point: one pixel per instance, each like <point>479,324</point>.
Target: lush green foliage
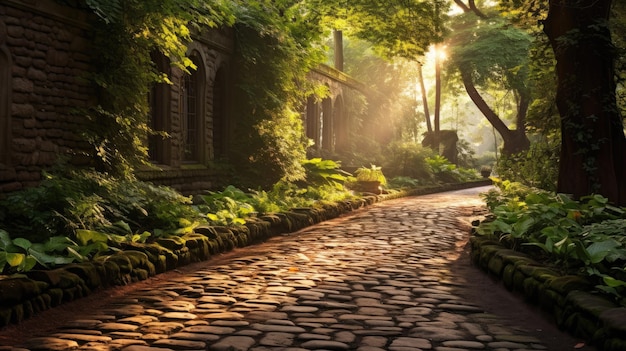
<point>77,216</point>
<point>580,237</point>
<point>80,215</point>
<point>126,35</point>
<point>408,159</point>
<point>65,203</point>
<point>537,167</point>
<point>492,50</point>
<point>447,172</point>
<point>403,183</point>
<point>396,28</point>
<point>228,207</point>
<point>372,173</point>
<point>325,172</point>
<point>277,45</point>
<point>21,255</point>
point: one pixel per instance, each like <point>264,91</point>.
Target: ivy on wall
<point>126,33</point>
<point>276,45</point>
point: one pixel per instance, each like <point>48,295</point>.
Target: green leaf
<point>43,258</point>
<point>599,250</point>
<point>86,236</point>
<point>72,252</point>
<point>239,221</point>
<point>119,227</point>
<point>22,243</point>
<point>5,239</point>
<point>612,282</point>
<point>28,264</point>
<point>521,227</point>
<point>57,243</point>
<point>15,259</point>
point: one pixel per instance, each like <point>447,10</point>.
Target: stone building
<point>44,63</point>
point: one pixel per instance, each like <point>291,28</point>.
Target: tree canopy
<point>489,53</point>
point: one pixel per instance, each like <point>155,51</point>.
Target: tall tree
<point>420,77</point>
<point>593,150</point>
<point>492,53</point>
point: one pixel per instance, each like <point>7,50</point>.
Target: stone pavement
<point>394,276</point>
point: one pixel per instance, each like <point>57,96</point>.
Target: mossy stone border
<point>567,298</point>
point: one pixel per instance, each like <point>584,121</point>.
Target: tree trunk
<point>437,89</point>
<point>429,127</point>
<point>593,144</point>
<point>515,141</point>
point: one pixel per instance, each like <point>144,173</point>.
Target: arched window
<point>220,120</point>
<point>159,98</point>
<point>5,104</point>
<point>192,112</point>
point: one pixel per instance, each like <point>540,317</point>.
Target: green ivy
<point>128,32</point>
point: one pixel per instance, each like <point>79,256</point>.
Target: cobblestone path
<point>394,276</point>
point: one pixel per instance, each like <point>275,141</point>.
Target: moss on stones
<point>17,290</point>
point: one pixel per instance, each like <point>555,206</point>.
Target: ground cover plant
<point>76,216</point>
<point>83,215</point>
<point>583,237</point>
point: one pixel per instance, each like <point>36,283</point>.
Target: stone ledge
<point>23,296</point>
<point>567,298</point>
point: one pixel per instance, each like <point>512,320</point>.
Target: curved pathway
<point>394,276</point>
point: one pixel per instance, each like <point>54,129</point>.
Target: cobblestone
<point>383,278</point>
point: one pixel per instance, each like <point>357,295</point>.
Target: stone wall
<point>328,122</point>
<point>46,51</point>
<point>213,51</point>
<point>45,65</point>
<point>571,301</point>
<point>44,69</point>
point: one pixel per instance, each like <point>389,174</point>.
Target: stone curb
<point>567,298</point>
<point>23,296</point>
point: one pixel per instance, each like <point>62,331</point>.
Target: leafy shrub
<point>403,182</point>
<point>285,196</point>
<point>447,172</point>
<point>228,207</point>
<point>21,255</point>
<point>372,173</point>
<point>64,203</point>
<point>581,237</point>
<point>325,172</point>
<point>408,160</point>
<point>537,167</point>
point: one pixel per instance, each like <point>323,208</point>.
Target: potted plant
<point>370,179</point>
